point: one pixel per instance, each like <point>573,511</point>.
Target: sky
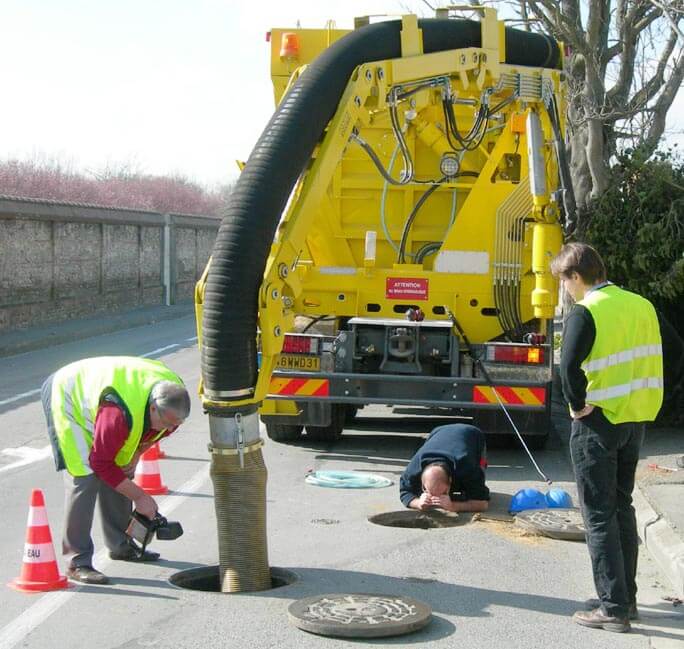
<point>159,86</point>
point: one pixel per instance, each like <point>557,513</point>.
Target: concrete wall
<point>60,261</point>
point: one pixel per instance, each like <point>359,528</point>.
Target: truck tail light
<point>515,354</point>
<point>299,344</point>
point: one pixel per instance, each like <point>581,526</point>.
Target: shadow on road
<point>453,599</point>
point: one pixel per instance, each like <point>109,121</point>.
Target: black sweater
<point>460,447</point>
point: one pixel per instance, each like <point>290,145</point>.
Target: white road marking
<point>17,630</point>
<point>30,393</point>
<point>26,455</point>
<point>191,340</point>
<point>16,397</point>
<point>157,351</point>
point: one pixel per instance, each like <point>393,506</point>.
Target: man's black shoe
<point>87,575</point>
<point>597,619</point>
<point>633,612</point>
<point>131,552</point>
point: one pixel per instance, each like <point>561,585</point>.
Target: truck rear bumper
<point>393,389</point>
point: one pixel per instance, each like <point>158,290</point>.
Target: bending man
<point>102,414</point>
<point>448,471</point>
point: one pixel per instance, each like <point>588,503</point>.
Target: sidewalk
<point>659,502</point>
<point>658,493</point>
<point>25,340</point>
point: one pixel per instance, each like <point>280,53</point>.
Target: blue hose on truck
<point>229,323</point>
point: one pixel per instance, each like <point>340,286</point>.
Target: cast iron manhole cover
<point>564,524</point>
<point>359,615</point>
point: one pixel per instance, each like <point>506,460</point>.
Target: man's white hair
<point>170,396</point>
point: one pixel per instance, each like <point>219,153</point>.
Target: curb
<point>666,548</point>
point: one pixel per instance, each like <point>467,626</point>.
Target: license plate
<point>298,362</point>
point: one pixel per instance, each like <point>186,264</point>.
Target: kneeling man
<point>448,471</point>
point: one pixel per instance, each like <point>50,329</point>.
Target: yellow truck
<point>391,232</point>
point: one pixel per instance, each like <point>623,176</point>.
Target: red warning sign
<point>406,288</point>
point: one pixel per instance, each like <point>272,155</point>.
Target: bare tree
<point>624,65</point>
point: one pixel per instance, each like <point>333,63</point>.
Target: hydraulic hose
<point>229,360</point>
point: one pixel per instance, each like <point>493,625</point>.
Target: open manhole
<point>207,578</point>
<point>426,520</point>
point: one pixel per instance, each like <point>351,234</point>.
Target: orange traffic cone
<point>39,571</point>
<point>147,475</point>
<point>156,452</point>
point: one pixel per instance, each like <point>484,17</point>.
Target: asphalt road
<point>488,586</point>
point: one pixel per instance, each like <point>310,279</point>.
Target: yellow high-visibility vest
<point>624,369</point>
<point>78,390</point>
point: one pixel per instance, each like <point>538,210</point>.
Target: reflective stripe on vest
<point>623,357</point>
<point>77,391</point>
<point>624,369</point>
<point>624,389</point>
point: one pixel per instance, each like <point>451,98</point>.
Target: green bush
<point>637,225</point>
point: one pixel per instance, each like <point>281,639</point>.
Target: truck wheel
<point>536,442</point>
<point>538,423</point>
<point>333,431</point>
<point>284,432</point>
<point>350,413</point>
<point>535,427</point>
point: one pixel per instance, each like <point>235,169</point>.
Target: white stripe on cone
<point>38,553</point>
<point>37,517</point>
<point>147,467</point>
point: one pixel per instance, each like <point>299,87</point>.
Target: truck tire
<point>284,432</point>
<point>350,413</point>
<point>535,427</point>
<point>333,431</point>
<point>540,423</point>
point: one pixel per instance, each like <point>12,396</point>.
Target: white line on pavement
<point>157,351</point>
<point>16,397</point>
<point>26,455</point>
<point>17,630</point>
<point>30,393</point>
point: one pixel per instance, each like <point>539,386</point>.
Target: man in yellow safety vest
<point>612,376</point>
<point>102,414</point>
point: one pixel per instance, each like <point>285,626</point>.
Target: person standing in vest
<point>102,414</point>
<point>612,376</point>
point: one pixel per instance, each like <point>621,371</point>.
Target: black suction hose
<point>229,365</point>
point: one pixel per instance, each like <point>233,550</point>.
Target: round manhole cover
<point>424,520</point>
<point>359,615</point>
<point>564,524</point>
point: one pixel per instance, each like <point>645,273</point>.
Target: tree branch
<point>558,24</point>
<point>597,25</point>
<point>662,105</point>
<point>674,24</point>
<point>653,85</point>
<point>635,23</point>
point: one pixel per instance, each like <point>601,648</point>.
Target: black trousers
<point>604,458</point>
